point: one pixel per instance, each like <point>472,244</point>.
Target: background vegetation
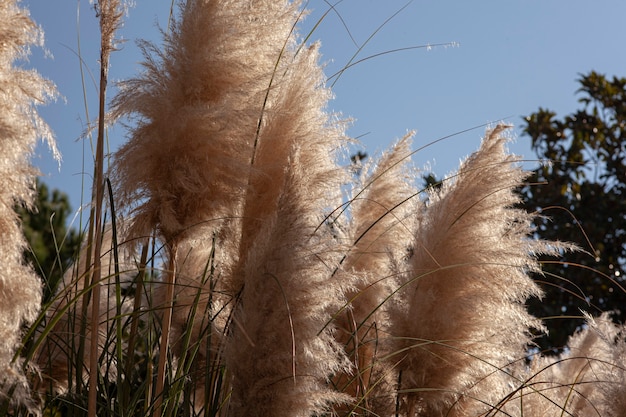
<point>581,199</point>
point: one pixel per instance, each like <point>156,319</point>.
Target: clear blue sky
<point>510,58</point>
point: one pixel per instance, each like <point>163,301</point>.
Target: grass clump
<point>228,275</point>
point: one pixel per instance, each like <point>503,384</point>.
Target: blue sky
<point>505,59</point>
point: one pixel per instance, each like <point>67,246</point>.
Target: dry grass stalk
<point>20,127</point>
<point>110,18</point>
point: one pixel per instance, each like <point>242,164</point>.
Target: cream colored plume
<point>381,228</point>
<point>197,107</point>
<point>281,352</point>
<point>587,380</point>
<point>233,151</point>
<point>20,127</point>
<point>465,321</point>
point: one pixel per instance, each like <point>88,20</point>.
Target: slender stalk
<point>109,18</point>
<point>165,332</point>
<point>99,196</point>
<point>134,322</point>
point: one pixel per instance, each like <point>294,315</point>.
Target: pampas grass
<point>268,291</point>
<point>586,380</point>
<point>20,127</point>
<point>287,297</point>
<point>470,261</point>
<point>381,224</point>
<point>186,163</point>
<point>235,176</point>
<point>287,269</point>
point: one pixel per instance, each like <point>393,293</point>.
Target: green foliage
<point>53,245</point>
<point>431,181</point>
<point>580,193</point>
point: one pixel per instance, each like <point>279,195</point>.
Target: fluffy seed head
<point>20,127</point>
<point>465,321</point>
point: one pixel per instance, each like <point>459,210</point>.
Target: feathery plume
<point>281,351</point>
<point>20,127</point>
<point>219,113</point>
<point>381,225</point>
<point>588,379</point>
<point>197,106</point>
<point>465,321</point>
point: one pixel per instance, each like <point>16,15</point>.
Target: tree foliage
<point>52,244</point>
<point>580,194</point>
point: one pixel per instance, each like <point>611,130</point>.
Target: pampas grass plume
<point>222,122</point>
<point>465,320</point>
<point>197,108</point>
<point>588,379</point>
<point>381,226</point>
<point>281,351</point>
<point>20,127</point>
